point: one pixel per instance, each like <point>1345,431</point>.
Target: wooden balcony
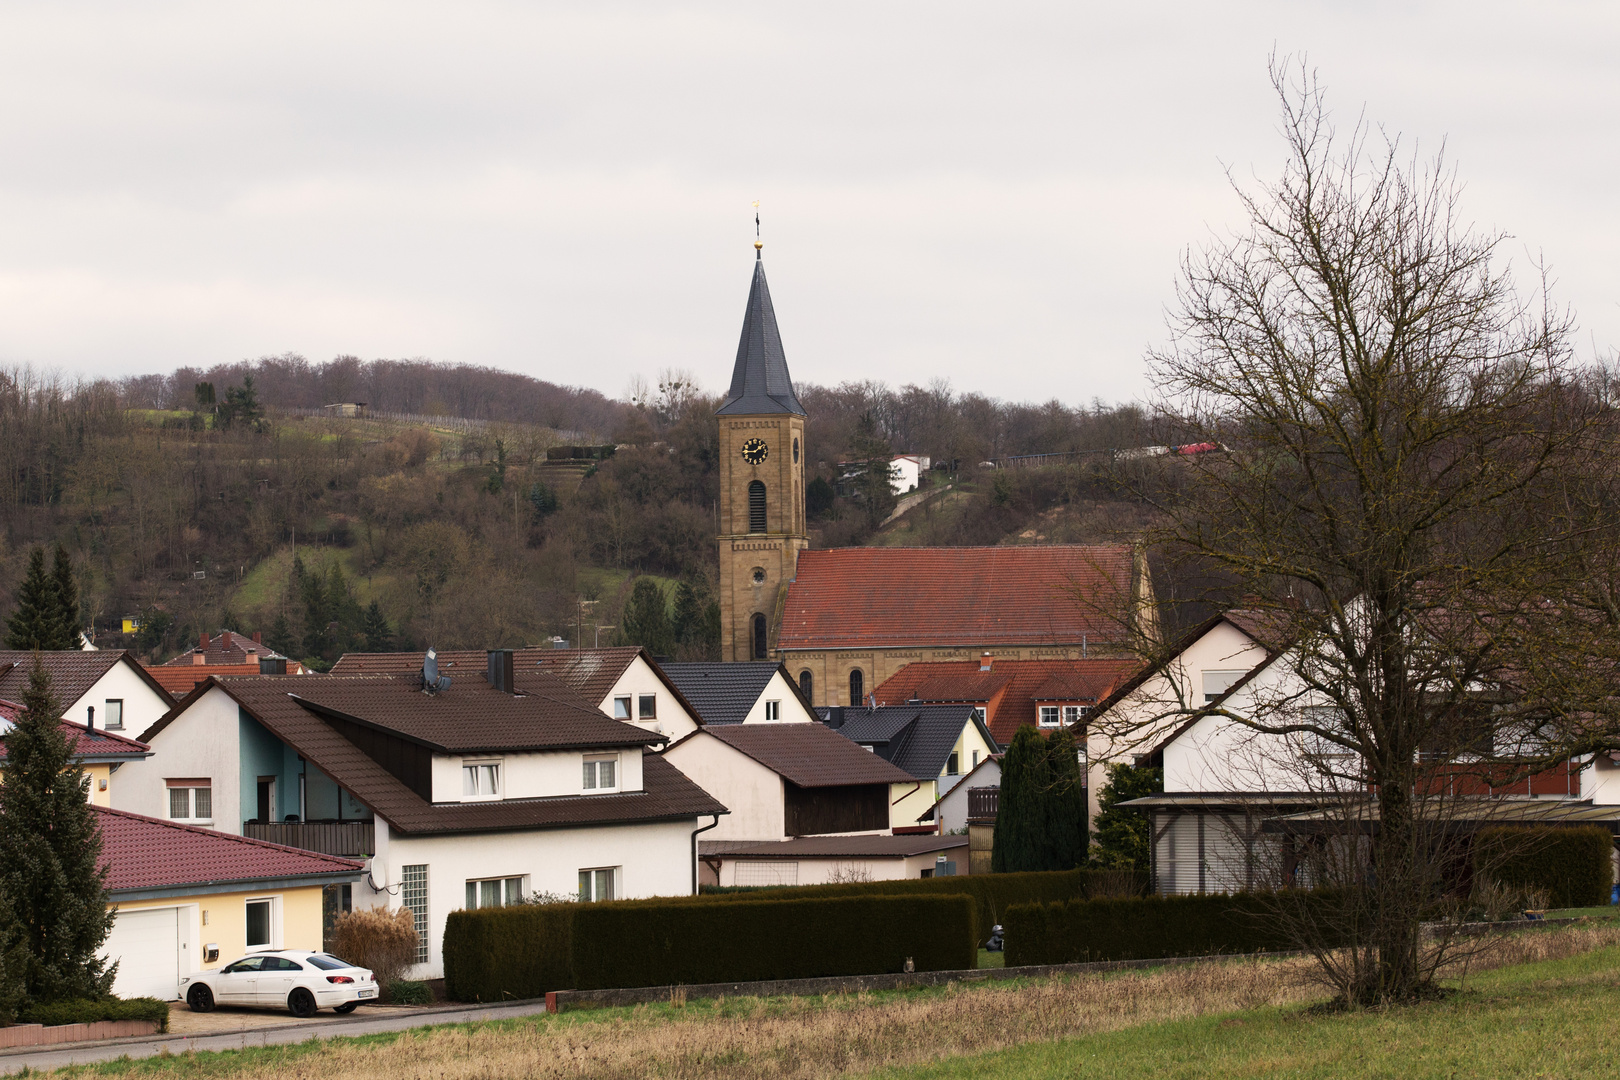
<point>347,838</point>
<point>982,802</point>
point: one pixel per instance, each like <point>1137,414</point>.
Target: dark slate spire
<point>760,382</point>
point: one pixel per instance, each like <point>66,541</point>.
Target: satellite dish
<point>430,669</point>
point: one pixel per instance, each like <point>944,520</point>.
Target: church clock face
<point>754,451</point>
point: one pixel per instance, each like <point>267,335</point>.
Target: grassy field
<point>1542,1010</point>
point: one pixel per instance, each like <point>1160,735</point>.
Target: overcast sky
<point>992,193</point>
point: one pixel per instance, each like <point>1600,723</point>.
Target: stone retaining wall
<point>40,1035</point>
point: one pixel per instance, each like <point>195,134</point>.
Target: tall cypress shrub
<point>67,601</point>
<point>50,843</point>
<point>1063,804</point>
<point>33,625</point>
<point>1020,836</point>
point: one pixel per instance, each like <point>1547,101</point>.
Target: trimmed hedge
<point>639,943</point>
<point>1573,864</point>
<point>1147,928</point>
<point>993,894</point>
<point>506,953</point>
<point>88,1011</point>
<point>497,954</point>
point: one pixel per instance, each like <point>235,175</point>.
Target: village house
<point>751,692</point>
<point>102,688</point>
<point>99,753</point>
<point>502,784</point>
<point>935,745</point>
<point>624,682</point>
<point>956,809</point>
<point>824,860</point>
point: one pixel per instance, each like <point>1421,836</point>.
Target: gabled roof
<point>883,597</point>
<point>592,673</point>
<point>73,672</point>
<point>725,693</point>
<point>1022,684</point>
<point>226,647</point>
<point>181,679</point>
<point>89,745</point>
<point>143,853</point>
<point>808,755</point>
<point>1247,623</point>
<point>666,794</point>
<point>760,383</point>
<point>916,738</point>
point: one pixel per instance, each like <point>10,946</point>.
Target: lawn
<point>1548,1014</point>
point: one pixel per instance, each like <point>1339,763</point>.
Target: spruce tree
<point>13,961</point>
<point>50,844</point>
<point>645,621</point>
<point>379,637</point>
<point>1063,804</point>
<point>1122,835</point>
<point>67,601</point>
<point>34,623</point>
<point>315,616</point>
<point>280,638</point>
<point>1020,836</point>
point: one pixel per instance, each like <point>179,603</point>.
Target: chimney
<point>267,666</point>
<point>500,670</point>
<point>203,643</point>
<point>258,637</point>
<point>986,661</point>
<point>225,639</point>
<point>197,657</point>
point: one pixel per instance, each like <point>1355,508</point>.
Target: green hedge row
<point>1574,865</point>
<point>498,954</point>
<point>1153,927</point>
<point>87,1011</point>
<point>994,894</point>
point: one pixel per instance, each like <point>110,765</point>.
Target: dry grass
<point>787,1039</point>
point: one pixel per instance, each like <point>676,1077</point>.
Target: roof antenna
<point>431,679</point>
<point>758,243</point>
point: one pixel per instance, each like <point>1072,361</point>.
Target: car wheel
<point>301,1003</point>
<point>346,1007</point>
<point>200,998</point>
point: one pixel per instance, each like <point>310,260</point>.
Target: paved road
<point>324,1026</point>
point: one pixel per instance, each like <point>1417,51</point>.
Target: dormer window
<point>1049,716</point>
<point>602,773</point>
<point>481,780</point>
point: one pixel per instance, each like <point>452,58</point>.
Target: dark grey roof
<point>760,382</point>
<point>725,693</point>
<point>916,738</point>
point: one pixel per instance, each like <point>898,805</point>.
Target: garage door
<point>146,944</point>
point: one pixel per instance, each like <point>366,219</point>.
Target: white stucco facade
<point>671,718</point>
<point>952,809</point>
<point>790,710</point>
<point>753,793</point>
<point>742,870</point>
<point>142,706</point>
<point>203,742</point>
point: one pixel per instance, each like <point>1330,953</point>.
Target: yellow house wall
<point>221,918</point>
<point>908,802</point>
<point>100,784</point>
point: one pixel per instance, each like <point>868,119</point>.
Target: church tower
<point>762,527</point>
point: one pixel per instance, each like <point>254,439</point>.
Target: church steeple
<point>760,383</point>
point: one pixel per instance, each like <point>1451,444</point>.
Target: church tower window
<point>807,685</point>
<point>759,638</point>
<point>856,693</point>
<point>756,507</point>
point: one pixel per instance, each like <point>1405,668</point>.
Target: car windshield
<point>328,963</point>
<point>250,963</point>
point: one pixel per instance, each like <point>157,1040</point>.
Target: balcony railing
<point>350,838</point>
<point>982,802</point>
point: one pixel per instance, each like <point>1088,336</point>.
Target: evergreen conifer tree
<point>1020,837</point>
<point>280,638</point>
<point>1122,835</point>
<point>1063,802</point>
<point>67,601</point>
<point>379,637</point>
<point>645,621</point>
<point>50,844</point>
<point>34,623</point>
<point>316,616</point>
<point>13,961</point>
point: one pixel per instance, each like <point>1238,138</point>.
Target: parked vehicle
<point>294,979</point>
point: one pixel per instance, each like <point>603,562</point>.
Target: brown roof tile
<point>179,681</point>
<point>72,671</point>
<point>971,596</point>
<point>150,853</point>
<point>809,755</point>
<point>224,648</point>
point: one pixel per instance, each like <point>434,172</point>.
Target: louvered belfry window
<point>756,507</point>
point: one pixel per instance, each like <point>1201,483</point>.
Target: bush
<point>993,894</point>
<point>1574,865</point>
<point>505,953</point>
<point>524,951</point>
<point>407,992</point>
<point>1148,928</point>
<point>384,941</point>
<point>85,1011</point>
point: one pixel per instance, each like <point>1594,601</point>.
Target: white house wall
<point>533,775</point>
<point>778,690</point>
<point>203,741</point>
<point>752,793</point>
<point>649,859</point>
<point>1600,781</point>
<point>953,808</point>
<point>639,678</point>
<point>1220,755</point>
<point>143,706</point>
<point>742,870</point>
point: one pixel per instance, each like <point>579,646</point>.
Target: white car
<point>294,979</point>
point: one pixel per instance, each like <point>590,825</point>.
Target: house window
<point>191,800</point>
<point>975,759</point>
<point>647,707</point>
<point>1073,714</point>
<point>952,765</point>
<point>481,780</point>
<point>596,885</point>
<point>621,708</point>
<point>258,924</point>
<point>759,637</point>
<point>602,773</point>
<point>756,507</point>
<point>807,683</point>
<point>1049,716</point>
<point>1217,683</point>
<point>773,710</point>
<point>413,894</point>
<point>113,718</point>
<point>494,892</point>
<point>978,714</point>
<point>856,694</point>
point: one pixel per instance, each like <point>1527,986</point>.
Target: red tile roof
<point>180,681</point>
<point>1010,690</point>
<point>150,853</point>
<point>878,597</point>
<point>225,647</point>
<point>92,745</point>
<point>809,755</point>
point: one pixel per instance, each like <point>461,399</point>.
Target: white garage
<point>152,949</point>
